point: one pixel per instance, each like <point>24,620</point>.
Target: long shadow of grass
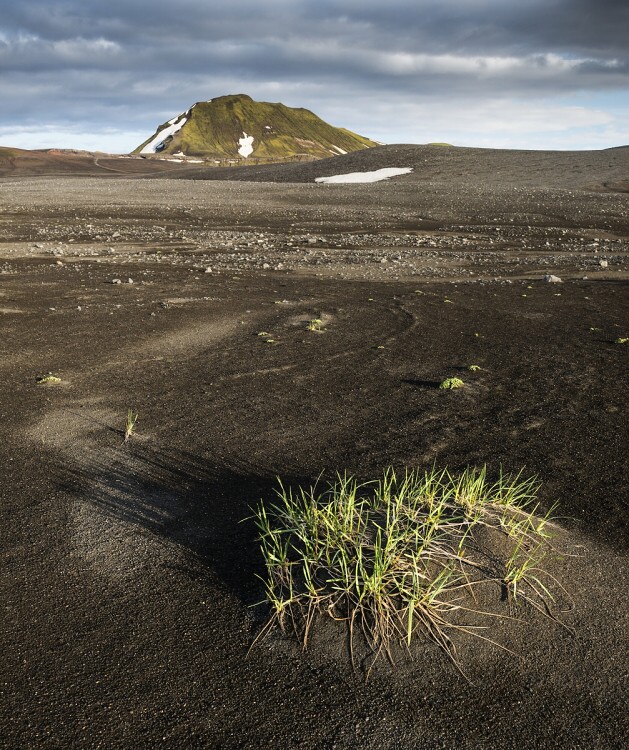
<point>179,497</point>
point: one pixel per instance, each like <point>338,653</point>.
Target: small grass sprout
<point>403,555</point>
<point>622,340</point>
<point>474,368</point>
<point>49,378</point>
<point>450,384</point>
<point>129,428</point>
<point>315,325</point>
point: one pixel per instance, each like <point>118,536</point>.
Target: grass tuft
<point>401,555</point>
<point>129,429</point>
<point>50,378</point>
<point>450,384</point>
<point>314,325</point>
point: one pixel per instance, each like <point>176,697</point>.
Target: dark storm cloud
<point>142,60</point>
<point>584,27</point>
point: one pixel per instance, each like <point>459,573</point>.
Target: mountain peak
<point>235,128</point>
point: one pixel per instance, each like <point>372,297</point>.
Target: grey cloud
<point>136,59</point>
<point>585,27</point>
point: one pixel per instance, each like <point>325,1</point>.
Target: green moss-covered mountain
<point>239,128</point>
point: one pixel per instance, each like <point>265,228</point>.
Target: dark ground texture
<point>128,574</point>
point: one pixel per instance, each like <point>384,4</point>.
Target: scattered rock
<point>552,279</point>
<point>116,281</point>
<point>603,263</point>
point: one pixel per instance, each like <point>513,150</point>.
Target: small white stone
<point>552,279</point>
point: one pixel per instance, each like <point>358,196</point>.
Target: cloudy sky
<point>103,74</point>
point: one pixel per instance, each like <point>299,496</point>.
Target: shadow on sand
<point>202,508</point>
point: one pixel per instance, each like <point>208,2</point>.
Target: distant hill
<point>19,162</point>
<point>238,129</point>
<point>603,170</point>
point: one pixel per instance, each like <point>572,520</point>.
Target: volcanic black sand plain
<point>128,573</point>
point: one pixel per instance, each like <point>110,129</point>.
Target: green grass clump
<point>315,325</point>
<point>402,555</point>
<point>622,340</point>
<point>50,378</point>
<point>450,384</point>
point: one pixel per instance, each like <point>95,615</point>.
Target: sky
<point>531,74</point>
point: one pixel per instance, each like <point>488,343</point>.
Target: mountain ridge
<point>238,129</point>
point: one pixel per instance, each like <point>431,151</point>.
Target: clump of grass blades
<point>316,324</point>
<point>403,554</point>
<point>129,428</point>
<point>450,384</point>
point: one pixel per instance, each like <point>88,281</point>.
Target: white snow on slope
<point>245,145</point>
<point>377,176</point>
<point>339,150</point>
<point>173,127</point>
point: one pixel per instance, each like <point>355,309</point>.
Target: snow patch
<point>339,150</point>
<point>180,156</point>
<point>355,177</point>
<point>173,127</point>
<point>245,145</point>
